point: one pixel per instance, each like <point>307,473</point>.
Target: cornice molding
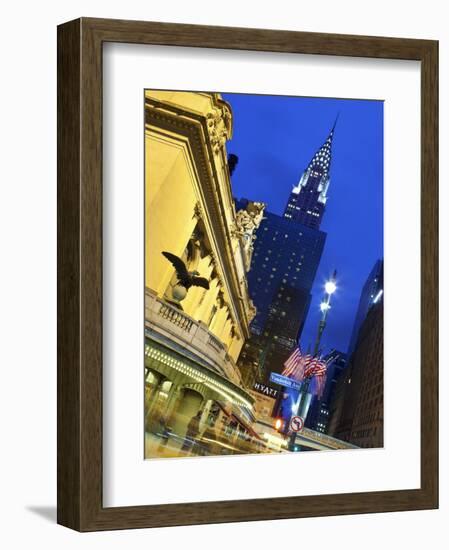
<point>193,126</point>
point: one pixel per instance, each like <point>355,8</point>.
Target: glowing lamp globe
<point>330,287</point>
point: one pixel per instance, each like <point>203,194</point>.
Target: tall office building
<point>284,264</point>
<point>286,256</point>
<point>340,416</point>
<point>307,200</point>
<point>356,410</point>
<point>357,407</point>
<point>371,293</point>
<point>368,371</point>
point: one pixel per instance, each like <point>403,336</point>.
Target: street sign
<point>296,423</point>
<point>284,381</point>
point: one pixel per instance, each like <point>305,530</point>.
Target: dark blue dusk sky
<point>275,138</point>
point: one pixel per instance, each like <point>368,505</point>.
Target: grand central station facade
<point>193,338</point>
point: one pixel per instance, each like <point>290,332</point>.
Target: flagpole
<point>330,287</point>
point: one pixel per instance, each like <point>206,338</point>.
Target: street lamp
<point>330,287</point>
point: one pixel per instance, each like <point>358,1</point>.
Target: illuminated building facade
<point>193,338</point>
<point>285,259</point>
<point>307,200</point>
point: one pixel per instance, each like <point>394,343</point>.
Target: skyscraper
<point>357,407</point>
<point>356,410</point>
<point>371,292</point>
<point>285,259</point>
<point>287,252</point>
<point>307,200</point>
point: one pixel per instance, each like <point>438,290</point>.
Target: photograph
<point>264,274</point>
<point>224,228</point>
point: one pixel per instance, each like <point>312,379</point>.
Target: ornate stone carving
<point>213,260</point>
<point>220,299</point>
<point>252,310</point>
<point>198,211</point>
<point>213,274</point>
<point>219,126</point>
<point>246,223</point>
<point>193,251</point>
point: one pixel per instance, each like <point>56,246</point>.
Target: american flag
<point>292,362</point>
<point>309,361</point>
<point>299,366</point>
<point>319,382</point>
<point>319,376</point>
<point>315,367</point>
<point>295,365</point>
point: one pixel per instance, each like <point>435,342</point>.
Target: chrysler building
<point>307,200</point>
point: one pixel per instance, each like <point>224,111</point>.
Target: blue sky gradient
<point>275,138</point>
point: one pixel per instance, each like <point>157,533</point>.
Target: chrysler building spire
<point>308,198</point>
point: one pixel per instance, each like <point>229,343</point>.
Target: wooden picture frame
<point>80,351</point>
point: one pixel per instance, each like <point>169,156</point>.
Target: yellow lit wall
<point>169,206</point>
<point>172,191</point>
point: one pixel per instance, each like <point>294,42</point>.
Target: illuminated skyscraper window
<point>307,200</point>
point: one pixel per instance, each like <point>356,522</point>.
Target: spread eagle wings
<point>200,281</point>
<point>178,264</point>
<point>185,278</point>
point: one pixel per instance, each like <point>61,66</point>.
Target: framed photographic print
<point>247,274</point>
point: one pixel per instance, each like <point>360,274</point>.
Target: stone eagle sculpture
<point>185,278</point>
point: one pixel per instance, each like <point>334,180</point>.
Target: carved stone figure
<point>219,127</point>
<point>246,223</point>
